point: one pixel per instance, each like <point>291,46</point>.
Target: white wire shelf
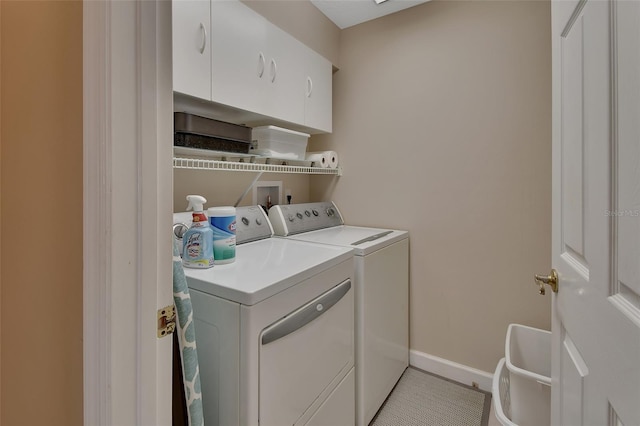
<point>268,166</point>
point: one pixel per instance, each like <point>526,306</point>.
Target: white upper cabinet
<point>239,59</point>
<point>318,91</point>
<point>192,47</point>
<point>227,53</point>
<point>285,63</point>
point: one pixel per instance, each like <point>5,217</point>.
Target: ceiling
<point>346,13</point>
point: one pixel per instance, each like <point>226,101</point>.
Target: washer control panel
<point>292,219</point>
<point>252,224</point>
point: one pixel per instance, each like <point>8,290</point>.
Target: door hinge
<point>166,320</point>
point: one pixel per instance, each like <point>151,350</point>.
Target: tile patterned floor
<point>423,399</point>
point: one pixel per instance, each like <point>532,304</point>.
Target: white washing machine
<point>275,330</point>
<point>381,293</point>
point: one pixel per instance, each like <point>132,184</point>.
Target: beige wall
<point>41,221</point>
<point>442,119</point>
<point>304,21</point>
<point>224,188</point>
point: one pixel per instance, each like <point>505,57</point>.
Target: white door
<point>596,213</point>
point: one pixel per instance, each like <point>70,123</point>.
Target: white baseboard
<point>451,370</point>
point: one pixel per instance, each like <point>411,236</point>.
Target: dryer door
<point>305,355</point>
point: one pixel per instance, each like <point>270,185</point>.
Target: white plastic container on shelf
<point>277,142</point>
<point>522,390</point>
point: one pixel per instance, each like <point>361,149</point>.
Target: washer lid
<point>264,268</point>
<point>362,240</point>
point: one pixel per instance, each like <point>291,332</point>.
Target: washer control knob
<point>307,213</point>
<point>291,218</point>
<point>179,229</point>
<point>258,221</point>
<point>330,212</point>
<point>315,212</point>
<point>245,221</point>
<point>299,215</point>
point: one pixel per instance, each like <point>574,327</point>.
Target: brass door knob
<point>551,280</point>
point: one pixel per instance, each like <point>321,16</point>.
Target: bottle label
<point>197,251</point>
<point>194,246</point>
<point>199,219</point>
<point>224,237</point>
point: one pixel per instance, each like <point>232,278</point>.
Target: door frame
<point>127,200</point>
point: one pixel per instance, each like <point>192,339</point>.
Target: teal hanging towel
<point>187,341</point>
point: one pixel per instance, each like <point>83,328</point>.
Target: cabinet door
<point>318,91</point>
<point>285,76</point>
<point>192,48</point>
<point>239,60</point>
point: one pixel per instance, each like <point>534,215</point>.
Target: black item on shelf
<point>192,131</point>
<point>210,143</point>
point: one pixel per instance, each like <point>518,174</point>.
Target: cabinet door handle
<point>274,70</point>
<point>309,87</point>
<point>260,65</point>
<point>204,38</point>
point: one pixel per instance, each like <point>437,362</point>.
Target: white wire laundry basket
<point>522,381</point>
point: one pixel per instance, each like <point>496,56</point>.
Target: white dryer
<point>381,293</point>
<point>275,330</point>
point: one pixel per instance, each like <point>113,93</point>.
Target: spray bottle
<point>198,240</point>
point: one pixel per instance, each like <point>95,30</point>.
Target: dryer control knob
<point>291,218</point>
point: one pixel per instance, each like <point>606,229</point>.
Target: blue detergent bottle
<point>197,250</point>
